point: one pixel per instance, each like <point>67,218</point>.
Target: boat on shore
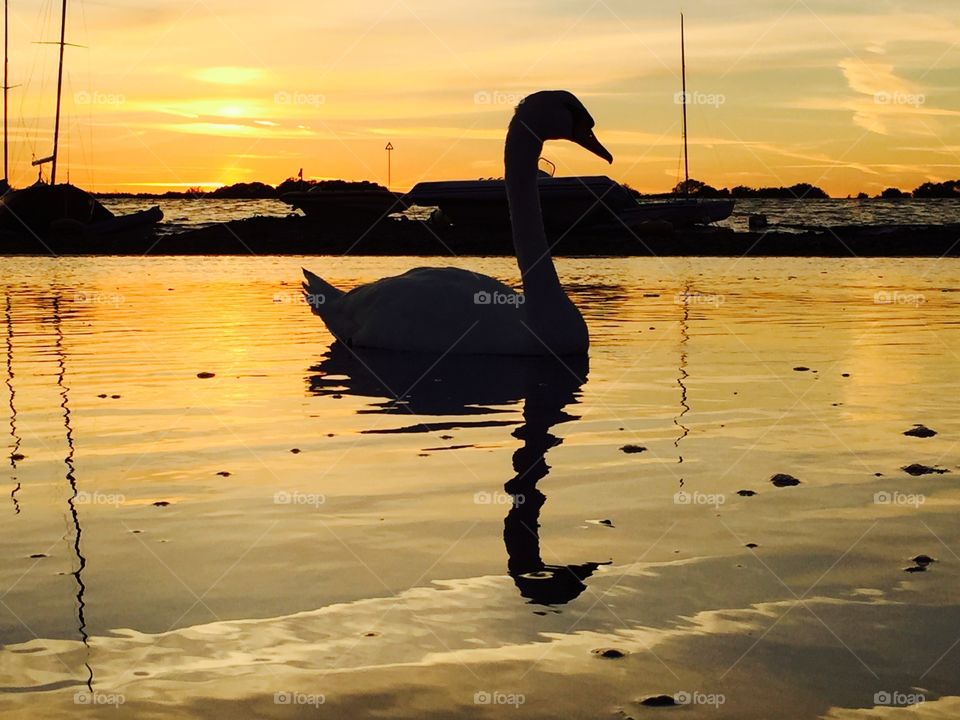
<point>566,202</point>
<point>44,209</point>
<point>339,201</point>
<point>685,210</point>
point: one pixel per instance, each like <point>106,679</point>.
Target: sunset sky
<point>850,95</point>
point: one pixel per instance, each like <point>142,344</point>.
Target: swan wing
<point>436,310</point>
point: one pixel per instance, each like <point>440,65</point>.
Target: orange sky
<point>847,94</point>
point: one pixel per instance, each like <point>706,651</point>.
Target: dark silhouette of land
<point>694,188</point>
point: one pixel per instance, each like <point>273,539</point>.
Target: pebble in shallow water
<point>917,469</point>
<point>659,701</point>
<point>633,449</point>
<point>783,480</point>
<point>746,493</point>
<point>920,431</point>
<point>609,653</point>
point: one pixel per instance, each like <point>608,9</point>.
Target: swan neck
<point>521,156</point>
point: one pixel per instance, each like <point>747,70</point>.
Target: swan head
<point>559,115</point>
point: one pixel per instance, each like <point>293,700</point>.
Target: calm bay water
<point>371,535</point>
<point>186,214</point>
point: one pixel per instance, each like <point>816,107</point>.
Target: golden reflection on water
<point>318,495</point>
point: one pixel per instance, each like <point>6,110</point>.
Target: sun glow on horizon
<point>851,101</point>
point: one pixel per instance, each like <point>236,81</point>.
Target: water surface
<point>347,534</point>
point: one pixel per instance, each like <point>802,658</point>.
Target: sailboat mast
<point>6,83</point>
<point>686,154</point>
<point>56,125</point>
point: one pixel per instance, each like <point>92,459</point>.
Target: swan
<point>450,310</point>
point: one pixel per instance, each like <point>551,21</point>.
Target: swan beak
<point>586,139</point>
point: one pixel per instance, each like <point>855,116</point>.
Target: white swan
<point>448,310</point>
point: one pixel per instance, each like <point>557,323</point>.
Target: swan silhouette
<point>450,310</point>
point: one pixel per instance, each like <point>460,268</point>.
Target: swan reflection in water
<point>475,390</point>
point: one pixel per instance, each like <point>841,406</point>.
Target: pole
<point>686,153</point>
<point>6,83</point>
<point>56,125</point>
<point>389,150</point>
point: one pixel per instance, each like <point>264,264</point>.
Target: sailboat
<point>685,210</point>
<point>44,208</point>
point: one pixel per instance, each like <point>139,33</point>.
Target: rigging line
<point>682,376</point>
<point>72,482</point>
<point>14,453</point>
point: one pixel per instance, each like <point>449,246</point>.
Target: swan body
<point>450,310</point>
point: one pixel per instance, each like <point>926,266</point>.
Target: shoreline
<point>295,235</point>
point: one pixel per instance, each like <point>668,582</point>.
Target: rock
<point>746,493</point>
<point>782,480</point>
<point>114,397</point>
<point>917,470</point>
<point>916,569</point>
<point>633,449</point>
<point>920,431</point>
<point>102,395</point>
<point>295,451</point>
<point>205,375</point>
<point>659,701</point>
<point>161,503</point>
<point>37,556</point>
<point>608,523</point>
<point>751,545</point>
<point>802,368</point>
<point>609,653</point>
<point>923,560</point>
<point>224,473</point>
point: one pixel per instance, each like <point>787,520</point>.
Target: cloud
<point>228,75</point>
